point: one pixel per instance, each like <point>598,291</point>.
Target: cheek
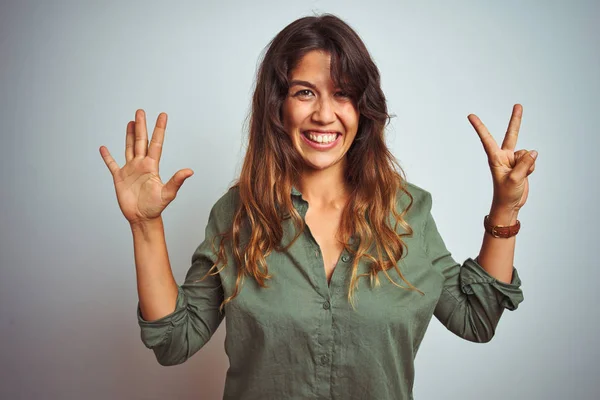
<point>351,121</point>
<point>289,118</point>
<point>350,113</point>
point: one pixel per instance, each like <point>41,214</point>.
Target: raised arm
<point>472,301</point>
<point>476,293</point>
<point>510,170</point>
<point>175,321</point>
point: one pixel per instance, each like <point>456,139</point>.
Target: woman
<point>327,263</point>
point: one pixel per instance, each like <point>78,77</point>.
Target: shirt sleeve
<point>179,335</point>
<point>472,301</point>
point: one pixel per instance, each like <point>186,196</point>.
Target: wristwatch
<point>501,231</point>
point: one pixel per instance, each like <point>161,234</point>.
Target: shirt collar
<point>295,192</point>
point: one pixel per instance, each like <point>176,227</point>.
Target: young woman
<point>326,262</point>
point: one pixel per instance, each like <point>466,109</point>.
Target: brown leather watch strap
<point>501,231</point>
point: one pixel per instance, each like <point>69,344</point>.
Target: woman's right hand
<point>141,194</point>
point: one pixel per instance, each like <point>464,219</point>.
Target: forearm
<point>157,289</point>
<point>497,254</point>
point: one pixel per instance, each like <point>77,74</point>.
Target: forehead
<point>315,64</point>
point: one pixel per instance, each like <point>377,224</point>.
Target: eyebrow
<point>302,83</point>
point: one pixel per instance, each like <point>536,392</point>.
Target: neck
<point>325,188</point>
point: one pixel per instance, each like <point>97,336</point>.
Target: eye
<point>342,94</point>
<point>303,93</point>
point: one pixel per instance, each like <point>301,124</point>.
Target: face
<point>320,118</point>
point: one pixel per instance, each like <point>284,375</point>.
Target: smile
<point>321,140</point>
<point>321,137</point>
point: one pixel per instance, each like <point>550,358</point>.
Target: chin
<point>320,164</point>
<point>319,160</point>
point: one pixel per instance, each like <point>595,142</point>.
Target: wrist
<point>145,226</point>
<point>503,216</point>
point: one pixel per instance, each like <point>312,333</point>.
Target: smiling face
<point>319,117</point>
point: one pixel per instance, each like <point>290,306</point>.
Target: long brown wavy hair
<point>272,166</point>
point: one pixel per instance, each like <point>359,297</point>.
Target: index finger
<point>487,140</point>
<point>512,133</point>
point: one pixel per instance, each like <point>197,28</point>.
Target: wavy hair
<point>272,165</point>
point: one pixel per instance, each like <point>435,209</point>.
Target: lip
<point>321,131</point>
<point>320,146</point>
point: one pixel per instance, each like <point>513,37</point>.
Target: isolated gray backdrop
<point>73,74</point>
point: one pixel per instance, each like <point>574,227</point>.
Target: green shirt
<point>300,339</point>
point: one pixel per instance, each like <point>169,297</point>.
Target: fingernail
<point>533,154</point>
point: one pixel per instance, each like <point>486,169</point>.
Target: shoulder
<point>228,201</point>
<point>223,210</point>
<point>421,201</point>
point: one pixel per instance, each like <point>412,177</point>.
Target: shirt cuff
<point>154,333</point>
<point>509,295</point>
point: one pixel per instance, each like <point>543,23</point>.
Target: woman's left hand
<point>510,168</point>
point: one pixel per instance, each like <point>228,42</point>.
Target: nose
<point>324,112</point>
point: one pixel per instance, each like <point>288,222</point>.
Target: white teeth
<point>322,138</point>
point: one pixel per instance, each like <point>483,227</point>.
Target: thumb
<point>170,190</point>
<point>524,164</point>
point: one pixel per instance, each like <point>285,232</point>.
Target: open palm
<point>140,192</point>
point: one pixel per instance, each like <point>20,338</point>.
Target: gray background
<point>73,74</point>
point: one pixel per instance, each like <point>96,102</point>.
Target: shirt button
<point>324,360</point>
<point>345,258</point>
<point>326,305</point>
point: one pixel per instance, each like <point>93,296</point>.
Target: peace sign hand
<point>140,192</point>
<point>510,169</point>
